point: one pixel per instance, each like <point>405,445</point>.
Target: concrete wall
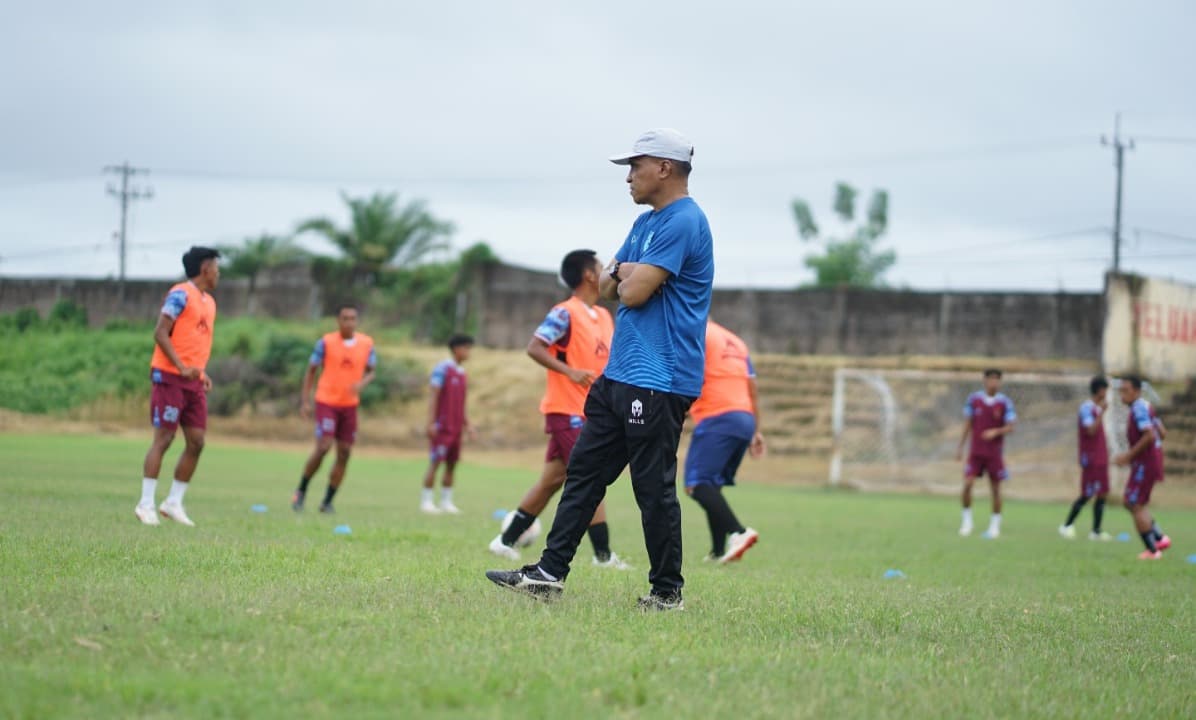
<point>284,294</point>
<point>845,321</point>
<point>1150,328</point>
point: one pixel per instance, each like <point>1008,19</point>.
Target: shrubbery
<point>58,364</point>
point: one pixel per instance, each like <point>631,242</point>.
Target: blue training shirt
<point>661,345</point>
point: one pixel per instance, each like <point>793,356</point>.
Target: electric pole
<point>126,193</point>
<point>1119,148</point>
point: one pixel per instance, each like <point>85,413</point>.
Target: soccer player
<point>346,361</point>
<point>988,417</point>
<point>1094,462</point>
<point>727,416</point>
<point>182,346</point>
<point>572,344</point>
<point>662,277</point>
<point>447,422</point>
<point>1145,459</point>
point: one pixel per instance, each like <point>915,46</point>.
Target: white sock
<point>148,487</point>
<point>994,523</point>
<point>426,496</point>
<point>967,516</point>
<point>446,496</point>
<point>176,492</point>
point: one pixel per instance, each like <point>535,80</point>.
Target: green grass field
<point>273,615</point>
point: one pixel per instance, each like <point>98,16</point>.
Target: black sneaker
<point>297,501</point>
<point>327,509</point>
<point>527,579</point>
<point>652,601</point>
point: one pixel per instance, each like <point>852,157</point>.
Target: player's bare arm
<point>432,407</point>
<point>1160,428</point>
<point>963,440</point>
<point>305,401</point>
<point>162,337</point>
<point>1147,440</point>
<point>537,350</point>
<point>608,283</point>
<point>365,380</point>
<point>639,281</point>
<point>1094,428</point>
<point>994,433</point>
<point>757,448</point>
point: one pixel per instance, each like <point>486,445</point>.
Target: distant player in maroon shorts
<point>1145,459</point>
<point>1094,461</point>
<point>447,422</point>
<point>572,344</point>
<point>988,417</point>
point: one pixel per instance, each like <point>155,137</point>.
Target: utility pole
<point>1119,148</point>
<point>126,193</point>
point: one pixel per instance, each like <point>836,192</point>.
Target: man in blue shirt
<point>662,278</point>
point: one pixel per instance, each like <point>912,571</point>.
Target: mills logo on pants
<point>637,412</point>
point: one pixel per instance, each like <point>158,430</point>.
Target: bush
<point>67,314</point>
<point>20,321</point>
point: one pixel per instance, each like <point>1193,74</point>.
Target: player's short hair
<point>1098,383</point>
<point>574,267</point>
<point>459,340</point>
<point>682,167</point>
<point>347,306</point>
<point>992,372</point>
<point>194,259</point>
<point>1134,381</point>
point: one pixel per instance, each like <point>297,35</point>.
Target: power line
<point>1119,163</point>
<point>1162,234</point>
<point>126,193</point>
<point>992,244</point>
<point>1169,140</point>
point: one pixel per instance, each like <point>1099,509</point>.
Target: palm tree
<point>257,254</point>
<point>382,232</point>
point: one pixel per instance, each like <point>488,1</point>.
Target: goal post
<point>899,429</point>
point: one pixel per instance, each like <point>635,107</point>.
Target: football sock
<point>328,493</point>
<point>994,523</point>
<point>303,481</point>
<point>176,492</point>
<point>967,517</point>
<point>1148,540</point>
<point>148,487</point>
<point>712,501</point>
<point>1076,507</point>
<point>446,496</point>
<point>1154,528</point>
<point>1098,514</point>
<point>519,525</point>
<point>425,496</point>
<point>600,539</point>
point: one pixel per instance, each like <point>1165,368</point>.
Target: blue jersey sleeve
<point>555,326</point>
<point>373,361</point>
<point>1088,414</point>
<point>176,300</point>
<point>1010,413</point>
<point>317,355</point>
<point>438,373</point>
<point>1141,413</point>
<point>967,407</point>
<point>667,246</point>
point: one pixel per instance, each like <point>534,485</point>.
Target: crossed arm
<point>635,285</point>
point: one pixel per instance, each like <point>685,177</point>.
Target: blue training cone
<point>498,514</point>
<point>1192,559</point>
<point>259,508</point>
<point>342,530</point>
<point>894,575</point>
<point>1123,537</point>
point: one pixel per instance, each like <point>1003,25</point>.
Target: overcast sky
<point>981,119</point>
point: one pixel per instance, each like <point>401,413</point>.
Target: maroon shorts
<point>336,422</point>
<point>563,431</point>
<point>1140,485</point>
<point>446,448</point>
<point>978,465</point>
<point>1094,480</point>
<point>175,401</point>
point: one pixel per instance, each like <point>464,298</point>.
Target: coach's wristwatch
<point>614,270</point>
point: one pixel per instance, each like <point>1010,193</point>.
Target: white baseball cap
<point>664,143</point>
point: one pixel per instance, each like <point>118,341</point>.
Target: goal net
<point>899,429</point>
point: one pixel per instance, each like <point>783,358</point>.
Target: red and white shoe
<point>146,514</point>
<point>738,544</point>
<point>174,511</point>
<point>1148,555</point>
<point>1163,543</point>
